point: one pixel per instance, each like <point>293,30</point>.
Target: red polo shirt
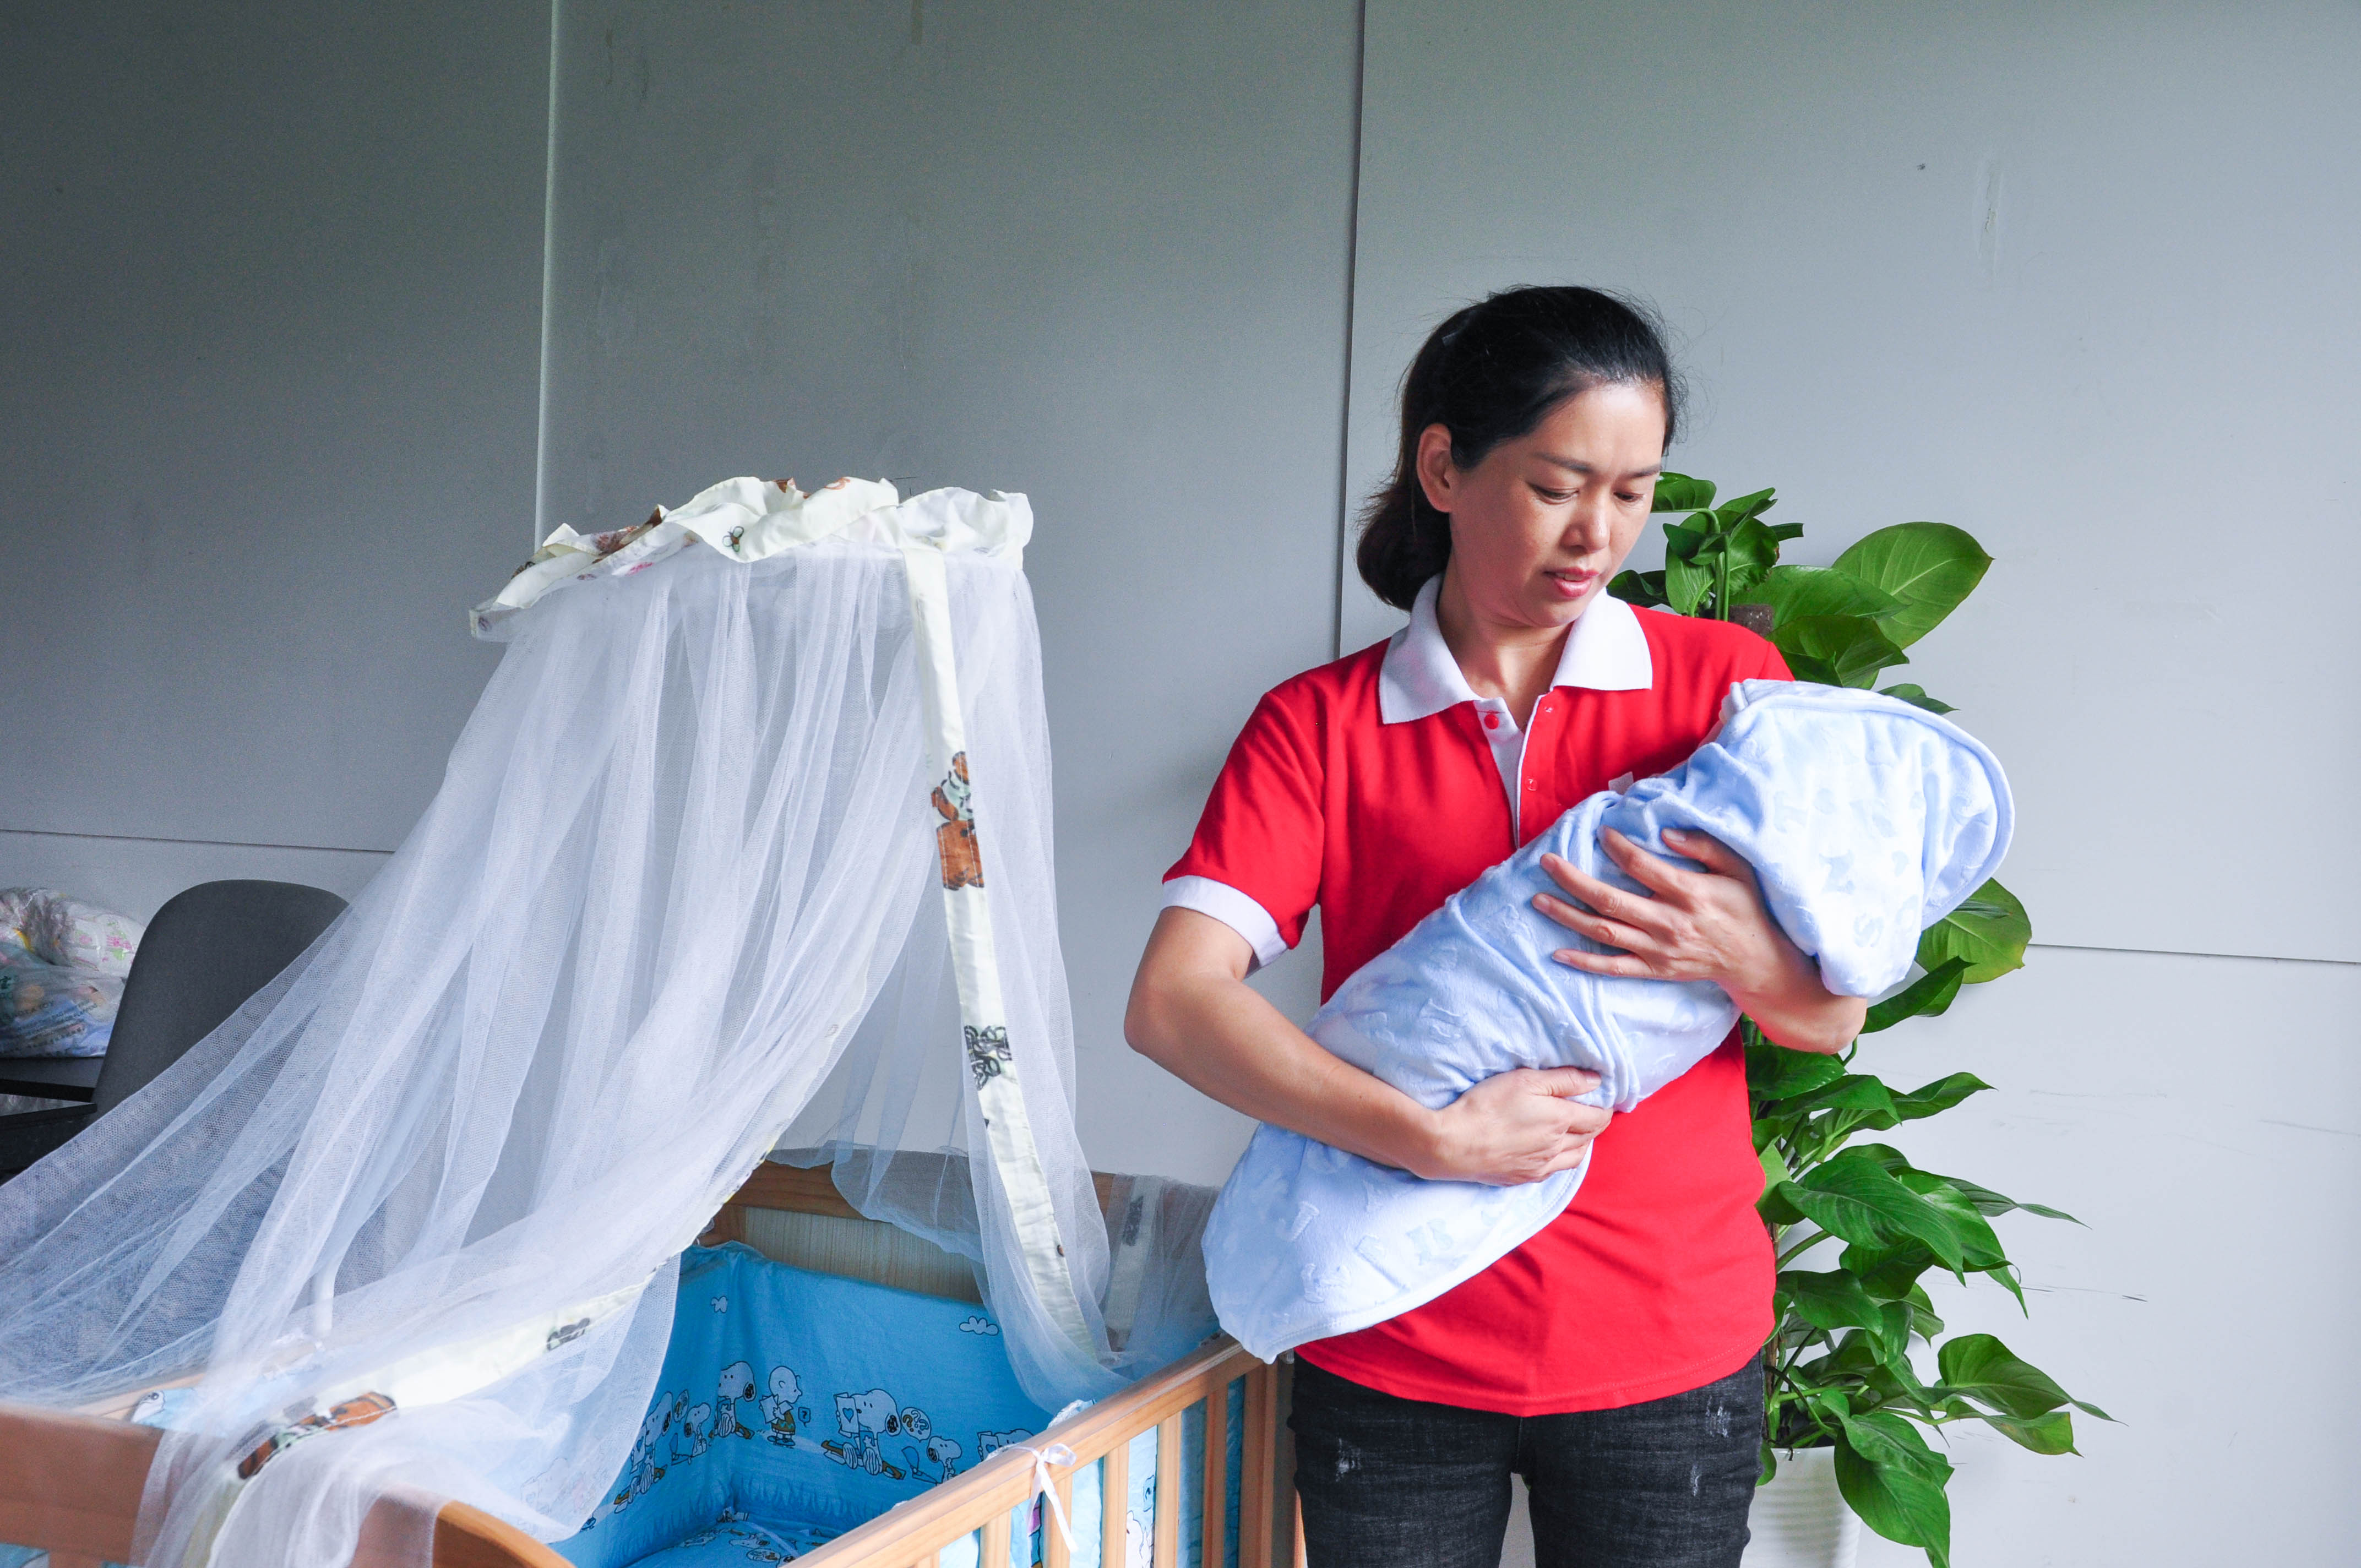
<point>1373,787</point>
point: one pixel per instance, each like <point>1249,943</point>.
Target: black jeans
<point>1660,1484</point>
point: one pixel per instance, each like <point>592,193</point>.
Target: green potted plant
<point>1855,1225</point>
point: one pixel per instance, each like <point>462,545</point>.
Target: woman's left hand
<point>1700,925</point>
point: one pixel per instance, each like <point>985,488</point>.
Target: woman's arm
<point>1709,925</point>
<point>1192,1013</point>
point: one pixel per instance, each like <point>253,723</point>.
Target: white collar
<point>1606,651</point>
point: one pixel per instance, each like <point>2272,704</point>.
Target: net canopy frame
<point>747,841</point>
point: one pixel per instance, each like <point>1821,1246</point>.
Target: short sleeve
<point>1775,664</point>
<point>1262,832</point>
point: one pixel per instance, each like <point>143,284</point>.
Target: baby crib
<point>69,1484</point>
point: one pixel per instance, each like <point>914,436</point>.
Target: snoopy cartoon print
<point>695,1434</point>
<point>778,1406</point>
<point>863,1419</point>
<point>737,1383</point>
<point>641,1471</point>
<point>988,1443</point>
<point>935,1458</point>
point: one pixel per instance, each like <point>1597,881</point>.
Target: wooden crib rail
<point>70,1484</point>
<point>913,1533</point>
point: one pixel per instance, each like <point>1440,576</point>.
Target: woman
<point>1610,1360</point>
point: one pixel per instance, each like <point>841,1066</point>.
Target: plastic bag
<point>63,963</point>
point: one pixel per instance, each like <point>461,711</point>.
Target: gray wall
<point>272,391</point>
<point>272,354</point>
<point>270,333</point>
<point>1098,256</point>
<point>2077,279</point>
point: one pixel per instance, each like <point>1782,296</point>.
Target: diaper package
<point>1866,820</point>
<point>63,963</point>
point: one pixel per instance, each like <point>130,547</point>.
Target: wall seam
<point>352,850</point>
<point>201,843</point>
<point>2187,953</point>
<point>548,265</point>
<point>1351,263</point>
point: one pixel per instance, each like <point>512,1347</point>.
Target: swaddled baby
<point>1866,820</point>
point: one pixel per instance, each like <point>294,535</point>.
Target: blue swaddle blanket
<point>1866,820</point>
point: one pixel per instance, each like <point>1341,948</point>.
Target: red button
<point>1491,721</point>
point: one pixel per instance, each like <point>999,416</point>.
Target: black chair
<point>207,951</point>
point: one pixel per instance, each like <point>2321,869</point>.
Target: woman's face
<point>1542,521</point>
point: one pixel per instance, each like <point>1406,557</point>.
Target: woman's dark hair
<point>1491,373</point>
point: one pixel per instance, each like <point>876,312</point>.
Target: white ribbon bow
<point>1056,1454</point>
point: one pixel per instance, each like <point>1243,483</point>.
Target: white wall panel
<point>2077,278</point>
<point>269,362</point>
<point>1094,253</point>
<point>2201,1117</point>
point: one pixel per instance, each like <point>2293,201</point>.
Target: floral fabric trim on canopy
<point>752,520</point>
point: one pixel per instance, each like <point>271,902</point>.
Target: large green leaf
<point>1990,932</point>
<point>1835,1299</point>
<point>1923,1321</point>
<point>1851,647</point>
<point>1927,997</point>
<point>1678,492</point>
<point>1858,1092</point>
<point>1643,588</point>
<point>1856,1201</point>
<point>1977,1238</point>
<point>1794,592</point>
<point>1929,566</point>
<point>1753,504</point>
<point>1686,583</point>
<point>1888,1273</point>
<point>1988,1202</point>
<point>1910,692</point>
<point>1980,1367</point>
<point>1883,1438</point>
<point>1899,1501</point>
<point>2052,1433</point>
<point>1774,1073</point>
<point>1938,1096</point>
<point>1752,548</point>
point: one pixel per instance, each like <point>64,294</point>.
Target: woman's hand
<point>1515,1127</point>
<point>1709,925</point>
<point>1192,1012</point>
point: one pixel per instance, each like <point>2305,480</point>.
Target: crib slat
<point>995,1543</point>
<point>1217,1475</point>
<point>1260,1460</point>
<point>1115,1502</point>
<point>1053,1539</point>
<point>1170,1487</point>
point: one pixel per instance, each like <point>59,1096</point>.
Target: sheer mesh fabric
<point>682,845</point>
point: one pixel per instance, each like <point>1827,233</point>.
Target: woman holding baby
<point>1610,1361</point>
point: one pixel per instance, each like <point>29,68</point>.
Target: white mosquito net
<point>751,827</point>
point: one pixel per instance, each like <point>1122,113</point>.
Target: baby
<point>1866,820</point>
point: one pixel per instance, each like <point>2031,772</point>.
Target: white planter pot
<point>1800,1519</point>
